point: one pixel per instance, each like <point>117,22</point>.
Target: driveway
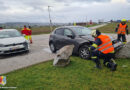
<point>98,26</point>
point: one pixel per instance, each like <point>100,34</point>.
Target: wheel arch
<point>85,43</point>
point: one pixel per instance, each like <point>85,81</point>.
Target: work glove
<point>89,48</point>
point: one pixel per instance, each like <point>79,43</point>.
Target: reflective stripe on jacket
<point>122,29</point>
<point>106,46</point>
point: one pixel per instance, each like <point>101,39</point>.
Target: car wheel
<point>52,47</point>
<point>84,52</point>
<point>2,57</point>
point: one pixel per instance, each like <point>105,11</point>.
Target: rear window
<point>59,31</point>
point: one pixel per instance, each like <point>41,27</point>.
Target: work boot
<point>113,66</point>
<point>98,66</point>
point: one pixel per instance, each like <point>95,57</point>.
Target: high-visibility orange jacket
<point>106,46</point>
<point>122,29</point>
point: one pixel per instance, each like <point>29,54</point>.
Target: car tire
<point>84,52</point>
<point>52,47</point>
<point>2,57</point>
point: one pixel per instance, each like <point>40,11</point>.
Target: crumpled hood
<point>14,40</point>
<point>87,37</point>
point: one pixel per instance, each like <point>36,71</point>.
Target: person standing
<point>122,30</point>
<point>102,48</point>
<point>25,31</point>
<point>30,34</point>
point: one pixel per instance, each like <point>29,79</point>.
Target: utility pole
<point>50,18</point>
<point>86,21</point>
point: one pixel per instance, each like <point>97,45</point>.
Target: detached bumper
<point>117,45</point>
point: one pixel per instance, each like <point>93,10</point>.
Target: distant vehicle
<point>79,36</point>
<point>12,41</point>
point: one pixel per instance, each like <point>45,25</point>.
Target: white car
<point>12,41</point>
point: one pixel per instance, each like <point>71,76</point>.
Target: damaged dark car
<point>79,36</point>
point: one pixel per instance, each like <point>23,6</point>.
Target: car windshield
<point>81,30</point>
<point>9,34</point>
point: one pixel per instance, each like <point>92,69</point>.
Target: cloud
<point>118,1</point>
<point>82,0</point>
<point>63,10</point>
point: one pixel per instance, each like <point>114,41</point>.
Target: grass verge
<point>110,28</point>
<point>40,30</point>
<point>79,75</point>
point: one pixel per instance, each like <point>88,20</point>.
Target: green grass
<point>92,25</point>
<point>110,28</point>
<point>79,75</point>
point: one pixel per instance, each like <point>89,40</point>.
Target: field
<point>40,30</point>
<point>45,29</point>
<point>79,75</point>
<point>110,28</point>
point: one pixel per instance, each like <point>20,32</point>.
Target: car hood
<point>87,37</point>
<point>14,40</point>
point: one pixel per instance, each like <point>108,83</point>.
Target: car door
<point>68,37</point>
<point>59,36</point>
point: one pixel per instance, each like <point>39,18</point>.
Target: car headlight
<point>1,45</point>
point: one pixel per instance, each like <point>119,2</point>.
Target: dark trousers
<point>96,55</point>
<point>121,36</point>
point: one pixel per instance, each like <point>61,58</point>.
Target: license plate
<point>14,48</point>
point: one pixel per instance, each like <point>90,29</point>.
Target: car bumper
<point>13,49</point>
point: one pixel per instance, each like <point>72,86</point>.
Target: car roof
<point>7,30</point>
<point>69,26</point>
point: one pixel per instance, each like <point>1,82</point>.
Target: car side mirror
<point>70,36</point>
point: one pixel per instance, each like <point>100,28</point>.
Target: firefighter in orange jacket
<point>102,48</point>
<point>122,30</point>
<point>25,31</point>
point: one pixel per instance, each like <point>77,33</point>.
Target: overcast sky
<point>63,10</point>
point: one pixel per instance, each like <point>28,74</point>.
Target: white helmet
<point>93,33</point>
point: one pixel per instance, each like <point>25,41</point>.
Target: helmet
<point>123,20</point>
<point>93,33</point>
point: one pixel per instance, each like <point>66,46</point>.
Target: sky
<point>63,11</point>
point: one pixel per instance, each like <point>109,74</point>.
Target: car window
<point>59,31</point>
<point>9,34</point>
<point>81,30</point>
<point>67,32</point>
